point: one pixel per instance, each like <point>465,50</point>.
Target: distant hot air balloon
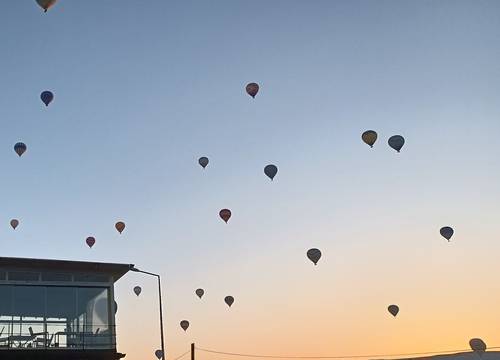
<point>314,255</point>
<point>184,325</point>
<point>46,4</point>
<point>159,354</point>
<point>203,161</point>
<point>14,223</point>
<point>20,148</point>
<point>47,97</point>
<point>393,309</point>
<point>90,241</point>
<point>252,89</point>
<point>225,214</point>
<point>369,137</point>
<point>120,226</point>
<point>478,345</point>
<point>200,292</point>
<point>271,171</point>
<point>446,232</point>
<point>396,142</point>
<point>229,300</point>
<point>137,290</point>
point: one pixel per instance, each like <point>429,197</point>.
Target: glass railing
<point>56,336</point>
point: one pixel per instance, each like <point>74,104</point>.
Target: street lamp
<point>133,268</point>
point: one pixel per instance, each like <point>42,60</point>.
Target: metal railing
<point>55,336</point>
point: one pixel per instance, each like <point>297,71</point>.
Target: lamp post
<point>133,268</point>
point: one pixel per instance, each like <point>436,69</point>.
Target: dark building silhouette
<point>56,309</point>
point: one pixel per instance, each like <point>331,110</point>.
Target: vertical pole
<point>192,351</point>
<point>161,322</point>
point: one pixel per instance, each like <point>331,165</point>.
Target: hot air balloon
<point>314,255</point>
<point>478,345</point>
<point>225,214</point>
<point>20,148</point>
<point>446,232</point>
<point>184,325</point>
<point>393,309</point>
<point>271,171</point>
<point>120,226</point>
<point>159,354</point>
<point>229,300</point>
<point>200,292</point>
<point>203,161</point>
<point>252,89</point>
<point>46,4</point>
<point>396,142</point>
<point>90,241</point>
<point>369,137</point>
<point>14,223</point>
<point>47,97</point>
<point>138,290</point>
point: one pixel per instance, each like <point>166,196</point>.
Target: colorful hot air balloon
<point>200,292</point>
<point>369,137</point>
<point>314,255</point>
<point>14,223</point>
<point>393,309</point>
<point>478,345</point>
<point>120,226</point>
<point>184,325</point>
<point>225,214</point>
<point>47,97</point>
<point>252,89</point>
<point>90,241</point>
<point>137,290</point>
<point>229,300</point>
<point>46,4</point>
<point>203,161</point>
<point>159,354</point>
<point>271,171</point>
<point>446,232</point>
<point>396,142</point>
<point>20,148</point>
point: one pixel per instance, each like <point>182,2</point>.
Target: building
<point>488,355</point>
<point>55,309</point>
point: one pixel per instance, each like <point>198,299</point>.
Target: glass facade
<point>77,317</point>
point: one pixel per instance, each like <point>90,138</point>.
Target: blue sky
<point>142,89</point>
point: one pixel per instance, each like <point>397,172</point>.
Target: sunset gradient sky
<point>144,88</point>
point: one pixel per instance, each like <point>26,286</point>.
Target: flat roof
<point>116,270</point>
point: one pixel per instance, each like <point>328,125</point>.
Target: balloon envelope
<point>200,292</point>
<point>446,232</point>
<point>14,223</point>
<point>252,89</point>
<point>477,345</point>
<point>396,142</point>
<point>159,354</point>
<point>47,97</point>
<point>393,309</point>
<point>137,290</point>
<point>120,226</point>
<point>184,325</point>
<point>271,171</point>
<point>225,214</point>
<point>46,4</point>
<point>20,148</point>
<point>229,300</point>
<point>314,255</point>
<point>90,241</point>
<point>369,137</point>
<point>203,161</point>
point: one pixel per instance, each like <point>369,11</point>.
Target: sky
<point>144,88</point>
